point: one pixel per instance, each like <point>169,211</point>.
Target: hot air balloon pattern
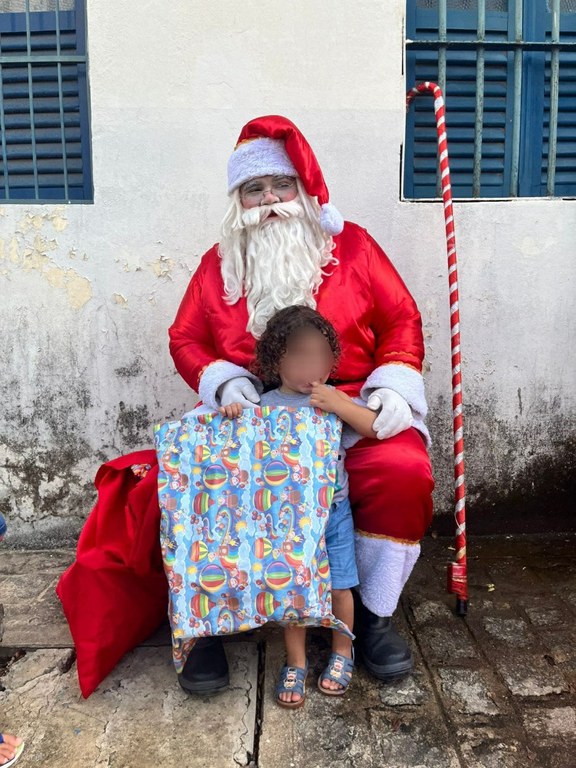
<point>262,548</point>
<point>212,578</point>
<point>201,605</point>
<point>242,543</point>
<point>325,496</point>
<point>263,499</point>
<point>261,449</point>
<point>266,604</point>
<point>322,448</point>
<point>215,477</point>
<point>276,473</point>
<point>198,551</point>
<point>202,503</point>
<point>278,575</point>
<point>201,454</point>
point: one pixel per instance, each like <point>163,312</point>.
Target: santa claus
<point>283,243</point>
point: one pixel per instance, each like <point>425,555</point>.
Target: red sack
<point>115,594</point>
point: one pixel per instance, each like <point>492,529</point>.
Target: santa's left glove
<point>238,390</point>
<point>395,414</point>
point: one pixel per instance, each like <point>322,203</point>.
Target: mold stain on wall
<point>520,473</point>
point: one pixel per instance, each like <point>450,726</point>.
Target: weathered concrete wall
<point>88,291</point>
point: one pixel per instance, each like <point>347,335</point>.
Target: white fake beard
<point>274,263</point>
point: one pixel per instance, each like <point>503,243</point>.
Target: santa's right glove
<point>395,415</point>
<point>238,390</point>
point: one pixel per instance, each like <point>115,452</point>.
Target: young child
<point>296,354</point>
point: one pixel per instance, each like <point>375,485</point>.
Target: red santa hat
<point>272,146</point>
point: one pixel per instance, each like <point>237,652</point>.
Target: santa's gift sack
<point>115,594</point>
<point>244,504</point>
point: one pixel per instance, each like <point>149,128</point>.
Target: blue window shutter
<point>420,168</point>
<point>460,97</point>
<point>565,179</point>
<point>84,101</point>
<point>49,168</point>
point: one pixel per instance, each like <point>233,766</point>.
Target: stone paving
<point>494,690</point>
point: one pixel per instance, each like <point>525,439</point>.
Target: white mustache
<point>252,217</point>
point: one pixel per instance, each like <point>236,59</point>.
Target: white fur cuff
<point>384,567</point>
<point>219,373</point>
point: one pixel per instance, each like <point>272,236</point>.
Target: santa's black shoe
<point>385,654</point>
<point>206,668</point>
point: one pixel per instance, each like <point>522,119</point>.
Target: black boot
<point>386,655</point>
<point>206,668</point>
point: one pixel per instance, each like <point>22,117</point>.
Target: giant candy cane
<point>457,571</point>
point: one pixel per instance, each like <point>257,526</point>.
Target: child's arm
<point>232,411</point>
<point>334,401</point>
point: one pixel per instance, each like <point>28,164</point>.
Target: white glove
<point>238,390</point>
<point>395,415</point>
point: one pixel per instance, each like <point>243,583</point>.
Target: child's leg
<point>343,609</point>
<point>295,640</point>
<point>342,559</point>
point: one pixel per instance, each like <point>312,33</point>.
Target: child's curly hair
<point>279,330</point>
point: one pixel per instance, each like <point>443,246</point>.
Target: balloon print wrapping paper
<point>244,505</point>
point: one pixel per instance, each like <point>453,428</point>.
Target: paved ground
<point>495,690</point>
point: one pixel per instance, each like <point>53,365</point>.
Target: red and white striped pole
<point>457,571</point>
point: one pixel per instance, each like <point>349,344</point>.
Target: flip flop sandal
<point>292,680</point>
<point>19,749</point>
<point>339,669</point>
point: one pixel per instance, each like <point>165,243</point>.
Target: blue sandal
<point>339,669</point>
<point>292,680</point>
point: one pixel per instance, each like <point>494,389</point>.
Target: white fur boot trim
<point>384,567</point>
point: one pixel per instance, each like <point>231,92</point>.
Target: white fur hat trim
<point>258,157</point>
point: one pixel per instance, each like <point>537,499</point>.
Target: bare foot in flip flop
<point>10,748</point>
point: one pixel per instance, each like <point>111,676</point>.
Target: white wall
<point>88,291</point>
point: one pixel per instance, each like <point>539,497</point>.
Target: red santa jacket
<point>364,297</point>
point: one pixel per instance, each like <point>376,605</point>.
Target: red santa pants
<point>391,486</point>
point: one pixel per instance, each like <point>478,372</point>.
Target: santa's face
<point>273,250</point>
<point>266,190</point>
<point>308,358</point>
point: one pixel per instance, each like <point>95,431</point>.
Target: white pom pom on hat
<point>273,145</point>
<point>331,219</point>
